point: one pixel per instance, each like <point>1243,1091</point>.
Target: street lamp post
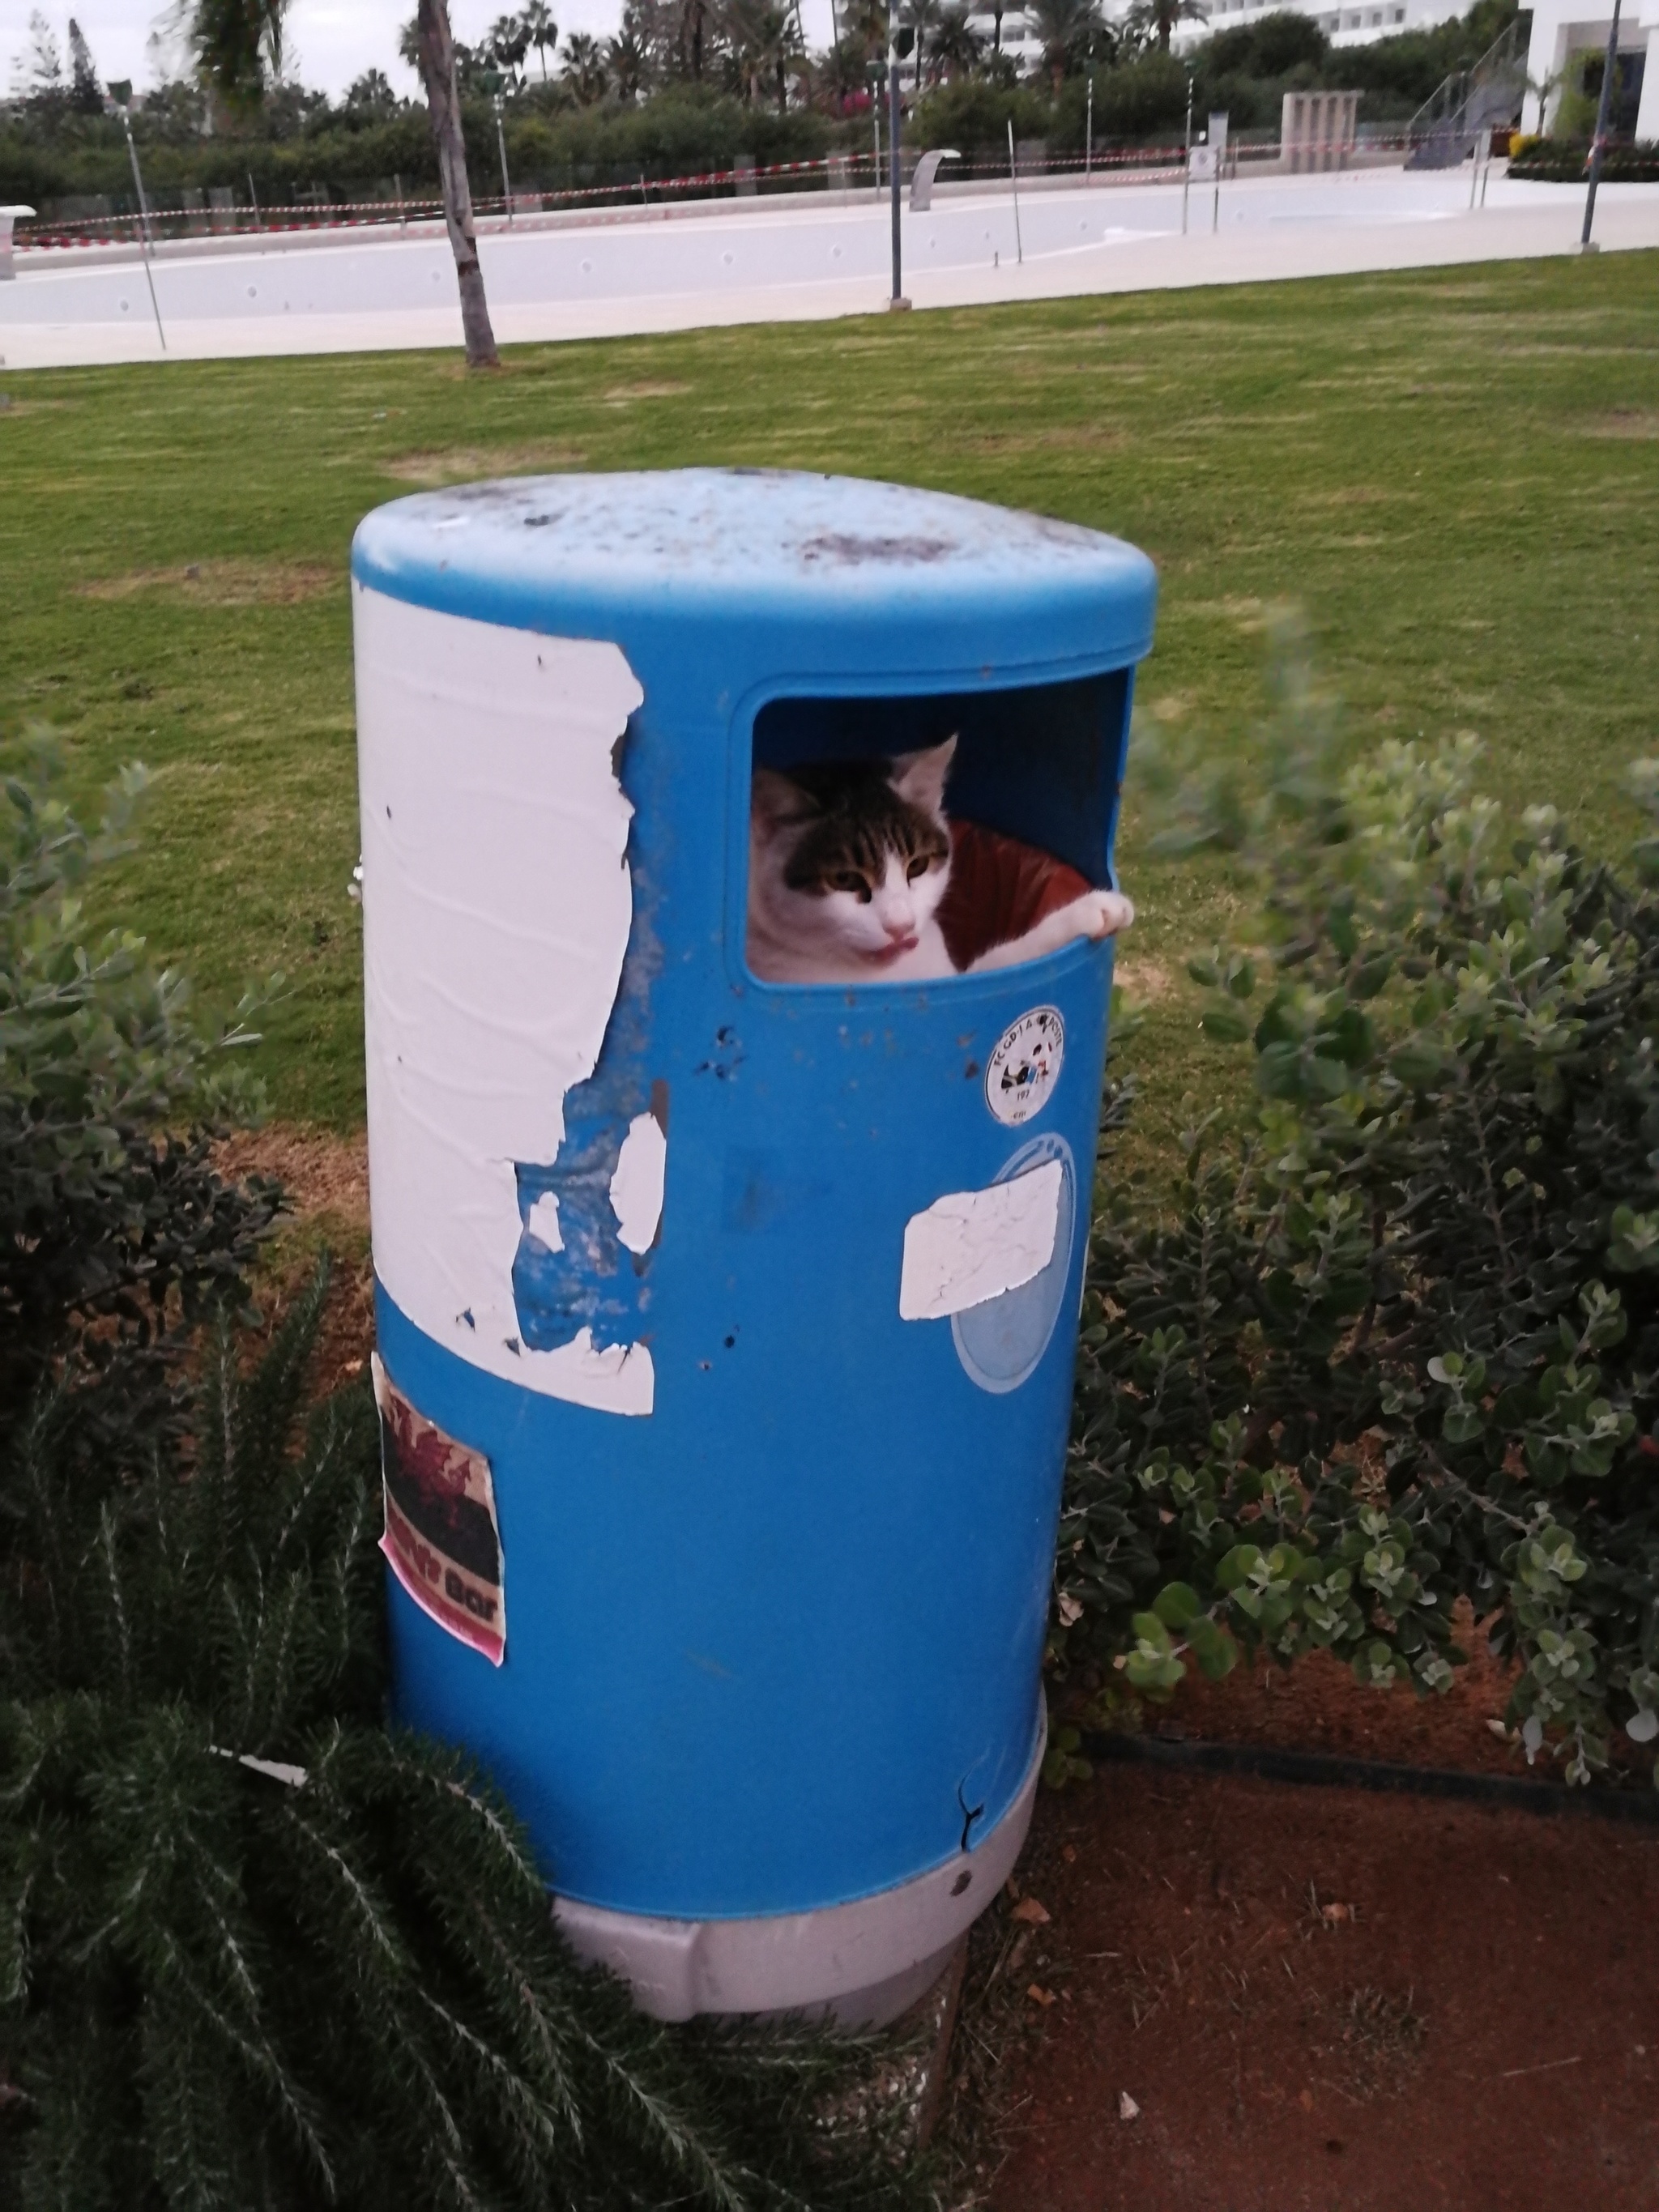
<point>1187,169</point>
<point>121,95</point>
<point>899,42</point>
<point>1603,106</point>
<point>1089,121</point>
<point>491,81</point>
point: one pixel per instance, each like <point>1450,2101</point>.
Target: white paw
<point>1103,913</point>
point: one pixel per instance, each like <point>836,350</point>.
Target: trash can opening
<point>905,838</point>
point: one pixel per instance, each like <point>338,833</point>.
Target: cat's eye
<point>848,881</point>
<point>917,867</point>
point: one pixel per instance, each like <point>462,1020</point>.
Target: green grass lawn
<point>1454,473</point>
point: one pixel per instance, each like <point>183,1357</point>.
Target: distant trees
<point>506,42</point>
<point>541,31</point>
<point>628,56</point>
<point>954,47</point>
<point>584,72</point>
<point>736,77</point>
<point>370,94</point>
<point>1069,29</point>
<point>238,47</point>
<point>86,94</point>
<point>1152,21</point>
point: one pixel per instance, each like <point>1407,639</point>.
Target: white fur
<point>894,936</point>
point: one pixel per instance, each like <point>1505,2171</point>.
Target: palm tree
<point>691,22</point>
<point>505,42</point>
<point>540,30</point>
<point>923,17</point>
<point>584,69</point>
<point>238,47</point>
<point>1066,29</point>
<point>866,22</point>
<point>764,41</point>
<point>435,54</point>
<point>955,45</point>
<point>1153,20</point>
<point>839,72</point>
<point>628,56</point>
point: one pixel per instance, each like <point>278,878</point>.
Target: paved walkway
<point>804,259</point>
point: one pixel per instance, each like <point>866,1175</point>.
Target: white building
<point>1561,28</point>
<point>1019,39</point>
<point>1343,26</point>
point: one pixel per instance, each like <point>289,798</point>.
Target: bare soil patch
<point>322,1174</point>
<point>1317,1706</point>
<point>326,1180</point>
<point>622,395</point>
<point>1144,980</point>
<point>1623,422</point>
<point>1249,1998</point>
<point>228,583</point>
<point>471,463</point>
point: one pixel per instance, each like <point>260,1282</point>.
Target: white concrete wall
<point>1563,28</point>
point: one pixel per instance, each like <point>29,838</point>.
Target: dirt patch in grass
<point>229,583</point>
<point>622,395</point>
<point>324,1175</point>
<point>1623,422</point>
<point>1144,980</point>
<point>326,1180</point>
<point>1265,1999</point>
<point>472,463</point>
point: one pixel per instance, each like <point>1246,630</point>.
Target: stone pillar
<point>8,216</point>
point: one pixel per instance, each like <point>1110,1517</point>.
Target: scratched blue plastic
<point>777,1645</point>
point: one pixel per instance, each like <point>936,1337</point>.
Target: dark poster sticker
<point>441,1540</point>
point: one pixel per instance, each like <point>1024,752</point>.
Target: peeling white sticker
<point>542,1222</point>
<point>1025,1065</point>
<point>497,905</point>
<point>636,1187</point>
<point>972,1245</point>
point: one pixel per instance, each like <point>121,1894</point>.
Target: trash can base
<point>862,1963</point>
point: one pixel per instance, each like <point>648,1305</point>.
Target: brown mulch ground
<point>326,1180</point>
<point>1317,1706</point>
<point>1314,2000</point>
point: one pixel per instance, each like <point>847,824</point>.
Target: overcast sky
<point>332,41</point>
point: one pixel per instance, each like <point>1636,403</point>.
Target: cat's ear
<point>920,777</point>
<point>775,799</point>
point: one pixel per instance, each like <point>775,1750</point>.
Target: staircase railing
<point>1470,101</point>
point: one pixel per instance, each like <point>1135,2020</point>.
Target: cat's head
<point>848,859</point>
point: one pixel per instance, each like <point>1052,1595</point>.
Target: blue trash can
<point>727,1327</point>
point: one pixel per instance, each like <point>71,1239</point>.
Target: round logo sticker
<point>1025,1065</point>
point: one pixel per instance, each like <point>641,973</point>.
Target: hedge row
<point>1564,161</point>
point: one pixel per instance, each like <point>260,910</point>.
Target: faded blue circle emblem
<point>1001,1342</point>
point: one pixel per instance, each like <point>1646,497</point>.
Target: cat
<point>848,863</point>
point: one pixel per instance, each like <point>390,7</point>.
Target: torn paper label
<point>972,1245</point>
<point>498,907</point>
<point>636,1187</point>
<point>442,1540</point>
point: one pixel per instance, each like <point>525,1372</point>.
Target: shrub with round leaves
<point>1392,1338</point>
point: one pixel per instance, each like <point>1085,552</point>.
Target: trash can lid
<point>798,572</point>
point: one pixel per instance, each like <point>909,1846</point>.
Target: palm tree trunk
<point>436,49</point>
